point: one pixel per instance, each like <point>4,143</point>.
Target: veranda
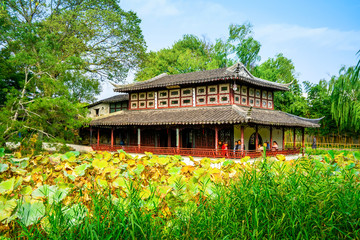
<point>194,140</point>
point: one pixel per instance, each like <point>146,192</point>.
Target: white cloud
<point>323,37</point>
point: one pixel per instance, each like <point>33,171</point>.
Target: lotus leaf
<point>281,157</point>
<point>3,167</point>
<point>139,169</point>
<point>30,213</point>
<point>99,164</point>
<point>6,208</point>
<point>80,170</point>
<point>174,170</point>
<point>7,186</point>
<point>119,182</point>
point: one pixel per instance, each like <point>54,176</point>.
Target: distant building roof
<point>237,71</point>
<point>229,114</point>
<point>116,98</point>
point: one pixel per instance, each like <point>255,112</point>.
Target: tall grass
<point>271,201</point>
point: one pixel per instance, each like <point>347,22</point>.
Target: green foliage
<point>191,54</point>
<point>345,99</point>
<point>243,44</point>
<point>282,70</point>
<point>160,197</point>
<point>54,55</point>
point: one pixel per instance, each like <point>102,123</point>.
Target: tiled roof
<point>237,71</point>
<point>116,98</point>
<point>229,114</point>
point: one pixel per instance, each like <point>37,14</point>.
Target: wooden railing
<point>339,146</point>
<point>195,152</point>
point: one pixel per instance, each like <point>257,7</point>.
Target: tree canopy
<point>61,49</point>
<point>191,54</point>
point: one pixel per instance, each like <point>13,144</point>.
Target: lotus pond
<point>100,195</point>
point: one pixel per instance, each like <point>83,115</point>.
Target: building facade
<point>189,114</point>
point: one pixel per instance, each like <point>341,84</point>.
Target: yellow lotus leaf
<point>107,156</point>
<point>114,173</point>
<point>131,162</point>
<point>163,160</point>
<point>145,193</point>
<point>245,159</point>
<point>122,156</point>
<point>59,167</point>
<point>119,182</point>
<point>188,169</point>
<point>99,164</point>
<point>101,182</point>
<point>281,157</point>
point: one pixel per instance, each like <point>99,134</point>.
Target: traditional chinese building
<point>188,114</point>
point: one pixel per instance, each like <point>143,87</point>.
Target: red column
<point>231,95</point>
<point>112,137</point>
<point>98,136</point>
<point>177,139</point>
<point>271,140</point>
<point>242,138</point>
<point>303,141</point>
<point>138,137</point>
<point>283,138</point>
<point>169,137</point>
<point>256,137</point>
<point>216,137</point>
<point>294,140</point>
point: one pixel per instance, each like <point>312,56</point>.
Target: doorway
<point>252,141</point>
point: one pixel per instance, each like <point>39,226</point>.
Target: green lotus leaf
<point>30,213</point>
<point>199,172</point>
<point>80,170</point>
<point>18,182</point>
<point>3,167</point>
<point>163,160</point>
<point>6,208</point>
<point>72,177</point>
<point>18,171</point>
<point>75,214</point>
<point>228,163</point>
<point>139,168</point>
<point>7,186</point>
<point>2,152</point>
<point>119,182</point>
<point>52,193</point>
<point>174,170</point>
<point>357,155</point>
<point>102,183</point>
<point>114,173</point>
<point>27,190</point>
<point>100,164</point>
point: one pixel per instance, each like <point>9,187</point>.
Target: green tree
<point>282,70</point>
<point>191,54</point>
<point>62,49</point>
<point>243,45</point>
<point>345,98</point>
<point>319,102</point>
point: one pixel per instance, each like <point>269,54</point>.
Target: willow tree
<point>345,98</point>
<point>62,49</point>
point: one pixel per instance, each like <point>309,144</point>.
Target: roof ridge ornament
<point>240,70</point>
<point>288,84</point>
<point>248,114</point>
<point>114,84</point>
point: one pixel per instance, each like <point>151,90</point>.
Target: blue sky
<point>318,36</point>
